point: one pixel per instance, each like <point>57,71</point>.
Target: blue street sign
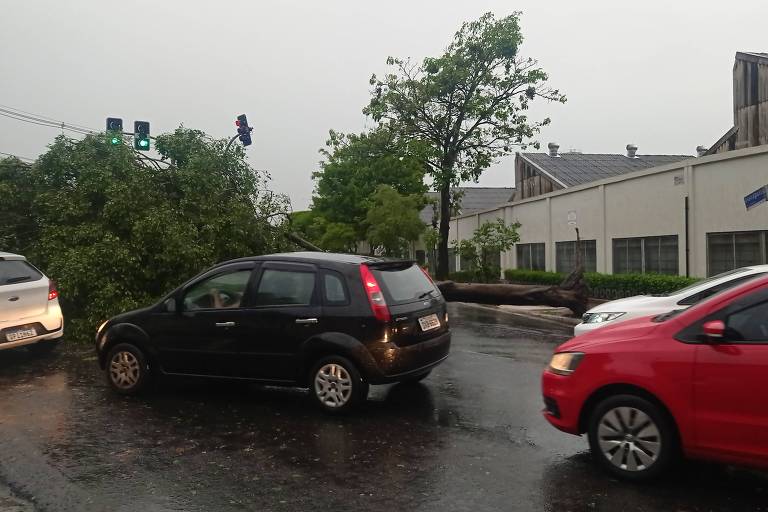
<point>755,198</point>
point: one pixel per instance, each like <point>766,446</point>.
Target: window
<point>421,257</point>
<point>531,256</point>
<point>335,291</point>
<point>565,256</point>
<point>285,287</point>
<point>17,271</point>
<point>642,255</point>
<point>749,324</point>
<point>222,291</point>
<point>705,294</point>
<point>404,285</point>
<point>451,260</point>
<point>727,251</point>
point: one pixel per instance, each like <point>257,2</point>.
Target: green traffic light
<point>115,140</point>
<point>144,143</point>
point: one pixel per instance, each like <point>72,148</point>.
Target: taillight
<point>427,274</point>
<point>375,295</point>
<point>52,291</point>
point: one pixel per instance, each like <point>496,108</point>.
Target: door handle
<point>225,324</point>
<point>13,299</point>
<point>306,321</point>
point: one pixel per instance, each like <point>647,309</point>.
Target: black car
<point>334,323</point>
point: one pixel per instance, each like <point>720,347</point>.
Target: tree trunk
<point>445,227</point>
<point>573,293</point>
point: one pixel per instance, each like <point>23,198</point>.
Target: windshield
<point>698,284</point>
<point>403,285</point>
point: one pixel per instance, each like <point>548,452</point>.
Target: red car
<point>692,382</point>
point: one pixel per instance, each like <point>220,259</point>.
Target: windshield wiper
<point>426,294</point>
<point>17,279</point>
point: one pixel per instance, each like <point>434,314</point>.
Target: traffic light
<point>243,129</point>
<point>114,130</point>
<point>141,135</point>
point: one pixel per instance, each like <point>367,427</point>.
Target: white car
<point>646,305</point>
<point>29,306</point>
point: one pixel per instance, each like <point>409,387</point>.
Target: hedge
<point>607,286</point>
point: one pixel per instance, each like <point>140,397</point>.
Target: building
<point>694,216</point>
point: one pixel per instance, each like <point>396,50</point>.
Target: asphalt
<point>471,437</point>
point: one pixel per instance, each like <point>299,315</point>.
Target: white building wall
<point>645,203</point>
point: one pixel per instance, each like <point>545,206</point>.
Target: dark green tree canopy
<point>467,107</point>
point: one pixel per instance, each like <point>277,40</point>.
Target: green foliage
<point>355,166</point>
<point>118,231</point>
<point>17,228</point>
<point>393,221</point>
<point>467,107</point>
<point>491,238</point>
<point>607,286</point>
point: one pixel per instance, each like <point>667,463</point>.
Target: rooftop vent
<point>631,151</point>
<point>701,150</point>
<point>553,147</point>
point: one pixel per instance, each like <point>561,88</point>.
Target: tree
<point>393,221</point>
<point>491,238</point>
<point>118,230</point>
<point>467,107</point>
<point>354,166</point>
<point>17,227</point>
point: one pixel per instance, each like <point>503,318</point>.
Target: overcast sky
<point>657,74</point>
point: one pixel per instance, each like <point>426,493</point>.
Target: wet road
<point>469,438</point>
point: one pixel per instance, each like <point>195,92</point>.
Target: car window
<point>705,294</point>
<point>403,285</point>
<point>749,324</point>
<point>335,291</point>
<point>698,284</point>
<point>222,291</point>
<point>285,287</point>
<point>17,271</point>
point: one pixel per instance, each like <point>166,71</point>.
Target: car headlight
<point>565,363</point>
<point>599,318</point>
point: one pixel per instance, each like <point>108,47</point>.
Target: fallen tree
<point>572,293</point>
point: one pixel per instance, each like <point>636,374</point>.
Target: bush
<point>607,286</point>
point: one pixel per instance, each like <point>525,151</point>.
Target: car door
<point>203,336</point>
<point>731,382</point>
<point>284,312</point>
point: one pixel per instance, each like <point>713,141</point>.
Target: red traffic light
<point>237,123</point>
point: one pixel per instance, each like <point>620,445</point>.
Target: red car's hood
<point>622,331</point>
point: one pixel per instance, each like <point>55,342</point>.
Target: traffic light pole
<point>226,150</point>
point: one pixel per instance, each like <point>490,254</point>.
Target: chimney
<point>553,147</point>
<point>631,151</point>
<point>701,150</point>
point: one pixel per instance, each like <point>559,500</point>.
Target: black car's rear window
<point>17,271</point>
<point>404,284</point>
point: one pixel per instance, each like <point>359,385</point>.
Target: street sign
<point>572,218</point>
<point>757,197</point>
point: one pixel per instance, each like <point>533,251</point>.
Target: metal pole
<point>226,150</point>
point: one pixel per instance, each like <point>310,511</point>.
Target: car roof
<point>11,256</point>
<point>313,257</point>
<point>726,296</point>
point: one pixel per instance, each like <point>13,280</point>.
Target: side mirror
<point>170,305</point>
<point>714,330</point>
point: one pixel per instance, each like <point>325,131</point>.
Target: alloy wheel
<point>333,385</point>
<point>629,439</point>
<point>124,370</point>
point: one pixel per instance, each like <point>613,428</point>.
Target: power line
<point>43,117</point>
<point>20,115</point>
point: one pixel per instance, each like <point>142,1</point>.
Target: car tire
<point>632,437</point>
<point>336,385</point>
<point>127,370</point>
<point>416,378</point>
<point>42,348</point>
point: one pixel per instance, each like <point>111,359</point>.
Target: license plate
<point>429,322</point>
<point>20,335</point>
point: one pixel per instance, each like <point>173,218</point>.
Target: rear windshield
<point>403,285</point>
<point>17,271</point>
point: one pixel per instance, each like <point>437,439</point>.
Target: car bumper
<point>562,403</point>
<point>393,363</point>
<point>55,334</point>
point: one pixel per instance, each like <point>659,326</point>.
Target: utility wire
<point>40,116</point>
<point>17,156</point>
<point>36,119</point>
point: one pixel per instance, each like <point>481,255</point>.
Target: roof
<point>571,169</point>
<point>753,56</point>
<point>473,199</point>
<point>10,256</point>
<point>309,256</point>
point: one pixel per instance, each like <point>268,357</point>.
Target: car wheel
<point>43,347</point>
<point>416,378</point>
<point>127,369</point>
<point>336,385</point>
<point>632,437</point>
